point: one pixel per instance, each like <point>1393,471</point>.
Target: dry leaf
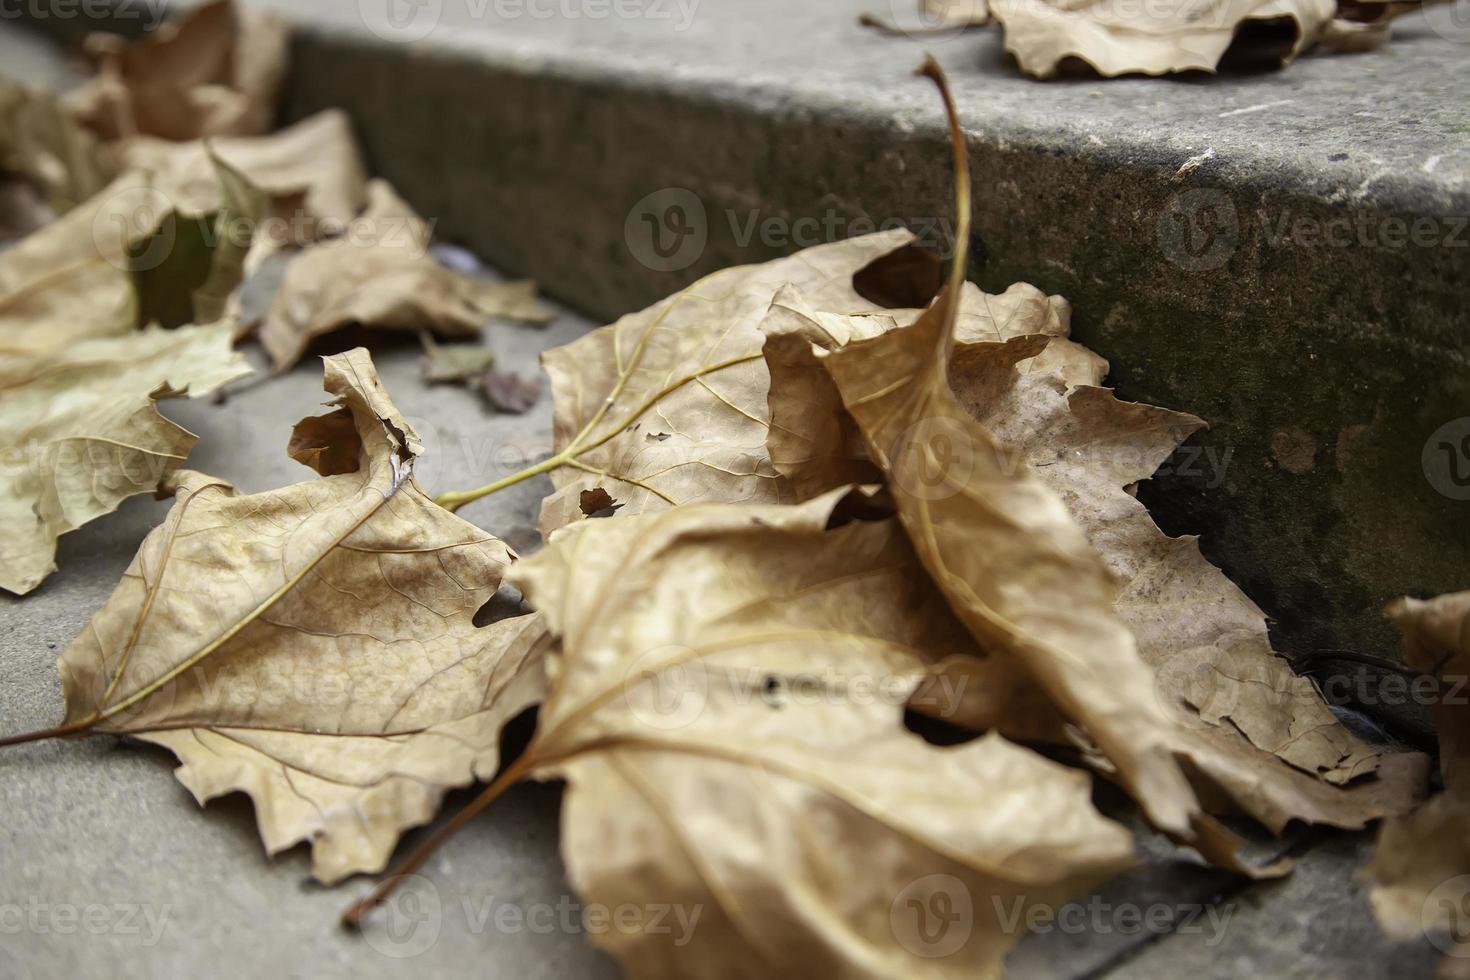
<point>1206,641</point>
<point>81,433</point>
<point>1000,544</point>
<point>68,281</point>
<point>726,707</point>
<point>215,70</point>
<point>379,274</point>
<point>668,405</point>
<point>1216,674</point>
<point>40,142</point>
<point>314,646</point>
<point>1152,39</point>
<point>312,171</point>
<point>124,259</point>
<point>187,269</point>
<point>1416,871</point>
<point>455,363</point>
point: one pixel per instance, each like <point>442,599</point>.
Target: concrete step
<point>1285,254</point>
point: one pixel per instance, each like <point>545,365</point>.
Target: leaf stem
<point>454,501</point>
<point>60,731</point>
<point>352,918</point>
<point>569,456</point>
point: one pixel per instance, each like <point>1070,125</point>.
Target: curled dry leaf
<point>379,274</point>
<point>668,405</point>
<point>1151,39</point>
<point>68,281</point>
<point>123,259</point>
<point>1000,544</point>
<point>1236,703</point>
<point>726,706</point>
<point>314,646</point>
<point>42,143</point>
<point>455,363</point>
<point>215,70</point>
<point>312,171</point>
<point>80,425</point>
<point>1430,848</point>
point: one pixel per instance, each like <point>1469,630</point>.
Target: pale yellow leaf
<point>379,274</point>
<point>726,706</point>
<point>668,405</point>
<point>315,646</point>
<point>1154,38</point>
<point>81,433</point>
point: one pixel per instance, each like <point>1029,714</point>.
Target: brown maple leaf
<point>314,646</point>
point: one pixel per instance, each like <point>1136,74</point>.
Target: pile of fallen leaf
<point>1160,37</point>
<point>785,519</point>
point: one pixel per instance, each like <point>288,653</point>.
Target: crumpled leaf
<point>1419,853</point>
<point>40,142</point>
<point>379,274</point>
<point>68,281</point>
<point>1000,544</point>
<point>726,707</point>
<point>81,433</point>
<point>1151,39</point>
<point>314,646</point>
<point>455,363</point>
<point>123,259</point>
<point>215,70</point>
<point>1235,702</point>
<point>312,171</point>
<point>186,269</point>
<point>668,405</point>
